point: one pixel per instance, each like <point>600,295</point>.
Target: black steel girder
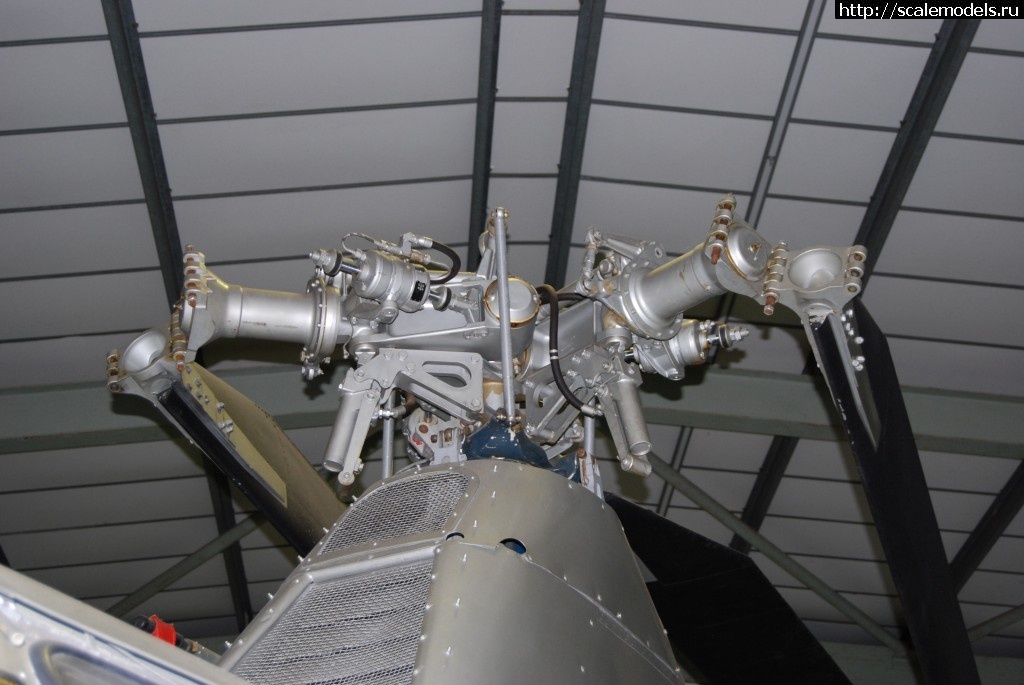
<point>940,71</point>
<point>990,528</point>
<point>487,90</point>
<point>574,137</point>
<point>138,105</point>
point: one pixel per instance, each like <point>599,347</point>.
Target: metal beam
<point>990,528</point>
<point>574,137</point>
<point>996,623</point>
<point>795,76</point>
<point>187,565</point>
<point>772,552</point>
<point>234,566</point>
<point>138,105</point>
<point>940,71</point>
<point>767,483</point>
<point>79,415</point>
<point>486,90</point>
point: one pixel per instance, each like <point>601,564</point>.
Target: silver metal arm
<point>464,348</point>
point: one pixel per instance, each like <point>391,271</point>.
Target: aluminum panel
<point>31,19</point>
<point>998,82</point>
<point>684,66</point>
<point>830,163</point>
<point>529,201</point>
<point>922,30</point>
<point>969,176</point>
<point>156,15</point>
<point>329,149</point>
<point>919,308</point>
<point>68,167</point>
<point>859,83</point>
<point>59,85</point>
<point>958,367</point>
<point>290,224</point>
<point>75,240</point>
<point>668,147</point>
<point>678,219</point>
<point>919,245</point>
<point>527,137</point>
<point>535,55</point>
<point>783,14</point>
<point>137,300</point>
<point>312,68</point>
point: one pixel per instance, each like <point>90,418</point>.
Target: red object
<point>164,630</point>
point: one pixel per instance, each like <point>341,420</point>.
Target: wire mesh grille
<point>405,507</point>
<point>359,629</point>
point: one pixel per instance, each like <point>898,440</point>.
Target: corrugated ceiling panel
<point>527,137</point>
<point>969,176</point>
<point>924,308</point>
<point>683,66</point>
<point>733,451</point>
<point>824,460</point>
<point>803,224</point>
<point>76,240</point>
<point>59,85</point>
<point>773,348</point>
<point>103,504</point>
<point>859,83</point>
<point>961,367</point>
<point>986,587</point>
<point>922,30</point>
<point>530,201</point>
<point>843,575</point>
<point>820,500</point>
<point>1005,555</point>
<point>678,219</point>
<point>701,522</point>
<point>959,510</point>
<point>729,488</point>
<point>108,544</point>
<point>81,304</point>
<point>180,605</point>
<point>68,167</point>
<point>830,163</point>
<point>677,148</point>
<point>783,14</point>
<point>84,466</point>
<point>1000,35</point>
<point>290,224</point>
<point>310,68</point>
<point>528,262</point>
<point>155,15</point>
<point>1016,527</point>
<point>823,538</point>
<point>31,19</point>
<point>535,55</point>
<point>72,359</point>
<point>977,613</point>
<point>986,250</point>
<point>809,606</point>
<point>302,151</point>
<point>969,473</point>
<point>987,97</point>
<point>104,580</point>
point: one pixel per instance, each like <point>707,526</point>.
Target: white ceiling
<point>285,125</point>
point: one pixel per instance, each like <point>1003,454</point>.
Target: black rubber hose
<point>551,296</point>
<point>453,270</point>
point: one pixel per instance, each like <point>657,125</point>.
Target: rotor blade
<point>855,359</point>
<point>727,621</point>
<point>247,444</point>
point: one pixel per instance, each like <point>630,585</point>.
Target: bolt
<point>716,254</point>
<point>769,303</point>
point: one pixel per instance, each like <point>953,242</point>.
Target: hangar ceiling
<point>258,131</point>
